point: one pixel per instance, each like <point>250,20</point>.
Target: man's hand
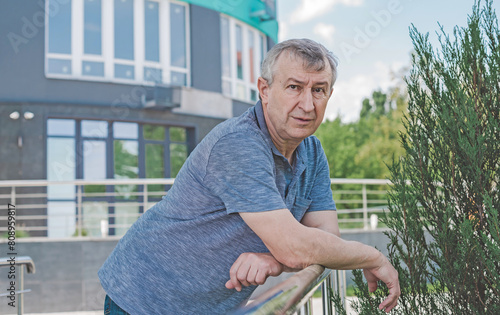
<point>253,269</point>
<point>386,273</point>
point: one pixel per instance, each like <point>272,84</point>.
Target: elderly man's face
<point>294,105</point>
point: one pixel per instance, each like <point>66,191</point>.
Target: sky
<point>370,39</point>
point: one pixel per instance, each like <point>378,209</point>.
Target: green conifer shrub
<point>444,202</point>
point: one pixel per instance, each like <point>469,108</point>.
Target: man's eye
<point>293,87</point>
<point>318,90</point>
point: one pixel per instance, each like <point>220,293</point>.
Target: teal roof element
<point>260,14</point>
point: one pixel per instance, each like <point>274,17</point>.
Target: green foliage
<point>444,203</point>
<point>20,233</point>
<point>362,149</point>
<point>126,166</point>
<point>77,232</point>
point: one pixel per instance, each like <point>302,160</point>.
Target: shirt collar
<point>300,156</point>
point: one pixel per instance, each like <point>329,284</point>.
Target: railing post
<point>79,226</point>
<point>307,307</point>
<point>365,209</point>
<point>20,304</point>
<point>326,295</point>
<point>13,195</point>
<point>145,198</point>
<point>339,284</point>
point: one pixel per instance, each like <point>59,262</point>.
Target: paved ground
<point>317,306</point>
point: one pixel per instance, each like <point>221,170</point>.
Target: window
<point>99,149</point>
<point>59,41</point>
<point>242,52</point>
<point>61,166</point>
<point>124,41</point>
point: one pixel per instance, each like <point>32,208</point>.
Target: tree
<point>444,204</point>
<point>361,149</point>
<point>378,108</point>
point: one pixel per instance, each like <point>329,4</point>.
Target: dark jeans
<point>110,308</point>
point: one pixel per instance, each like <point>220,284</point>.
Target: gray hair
<point>312,53</point>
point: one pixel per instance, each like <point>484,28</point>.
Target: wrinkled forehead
<point>309,64</point>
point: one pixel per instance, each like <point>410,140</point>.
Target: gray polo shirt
<point>176,258</point>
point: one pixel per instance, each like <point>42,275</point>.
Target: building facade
<point>119,89</point>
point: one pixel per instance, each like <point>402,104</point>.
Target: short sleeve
<point>240,170</point>
<point>321,194</point>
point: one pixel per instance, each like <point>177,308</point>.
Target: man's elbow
<point>295,258</point>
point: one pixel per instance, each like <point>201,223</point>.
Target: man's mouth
<point>303,120</point>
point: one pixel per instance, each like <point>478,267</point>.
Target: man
<point>252,200</point>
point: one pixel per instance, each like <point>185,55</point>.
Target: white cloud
<point>348,94</point>
<point>347,97</point>
<point>283,31</point>
<point>325,31</point>
<point>309,9</point>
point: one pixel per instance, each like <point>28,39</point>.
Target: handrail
<point>19,260</point>
<point>288,296</point>
<point>44,182</point>
<point>12,262</point>
<point>358,208</point>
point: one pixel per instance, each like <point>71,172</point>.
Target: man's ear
<point>263,87</point>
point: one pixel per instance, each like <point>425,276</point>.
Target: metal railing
<point>369,203</point>
<point>294,295</point>
<point>12,263</point>
<point>72,208</point>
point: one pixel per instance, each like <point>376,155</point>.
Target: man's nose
<point>307,101</point>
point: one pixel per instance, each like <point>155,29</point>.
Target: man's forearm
<point>331,251</point>
<point>298,246</point>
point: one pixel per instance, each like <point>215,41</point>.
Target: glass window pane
<point>91,68</point>
<point>225,43</point>
<point>152,132</point>
<point>239,52</point>
<point>178,35</point>
<point>94,128</point>
<point>241,91</point>
<point>94,160</point>
<point>152,31</point>
<point>152,75</point>
<point>251,56</point>
<point>253,95</point>
<point>61,219</point>
<point>60,27</point>
<point>155,165</point>
<point>154,161</point>
<point>92,27</point>
<point>125,130</point>
<point>93,213</point>
<point>61,167</point>
<point>125,216</point>
<point>178,155</point>
<point>178,78</point>
<point>124,72</point>
<point>59,66</point>
<point>177,134</point>
<point>126,160</point>
<point>94,164</point>
<point>124,29</point>
<point>60,127</point>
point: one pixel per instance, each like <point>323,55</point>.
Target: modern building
<point>117,89</point>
